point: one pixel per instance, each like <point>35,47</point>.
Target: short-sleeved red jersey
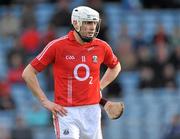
<point>76,68</point>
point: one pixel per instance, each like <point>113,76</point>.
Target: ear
<point>74,22</point>
<point>76,25</point>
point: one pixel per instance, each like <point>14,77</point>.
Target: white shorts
<point>81,122</point>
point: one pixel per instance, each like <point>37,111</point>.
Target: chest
<point>86,57</point>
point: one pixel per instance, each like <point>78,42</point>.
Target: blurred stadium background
<point>144,34</point>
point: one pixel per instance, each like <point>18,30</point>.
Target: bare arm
<point>114,110</point>
<point>30,76</point>
<point>110,75</point>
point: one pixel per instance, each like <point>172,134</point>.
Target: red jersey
<point>76,68</point>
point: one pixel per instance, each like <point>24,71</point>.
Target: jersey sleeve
<point>110,59</point>
<point>45,58</point>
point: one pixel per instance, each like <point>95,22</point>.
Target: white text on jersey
<point>70,57</point>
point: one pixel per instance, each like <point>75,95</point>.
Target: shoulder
<point>59,40</point>
<point>102,43</point>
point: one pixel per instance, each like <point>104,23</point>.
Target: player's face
<point>88,29</point>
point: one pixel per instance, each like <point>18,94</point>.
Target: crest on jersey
<point>95,59</point>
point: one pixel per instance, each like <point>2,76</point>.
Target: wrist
<point>43,100</point>
<point>103,102</point>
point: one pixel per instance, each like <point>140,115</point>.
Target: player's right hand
<point>54,108</point>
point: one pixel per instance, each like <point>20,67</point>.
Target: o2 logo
<point>87,75</point>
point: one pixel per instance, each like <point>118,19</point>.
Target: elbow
<point>27,73</point>
<point>118,67</point>
<point>24,75</point>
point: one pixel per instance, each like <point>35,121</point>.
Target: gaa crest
<point>95,59</point>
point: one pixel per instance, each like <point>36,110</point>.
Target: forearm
<point>29,75</point>
<point>109,76</point>
<point>33,84</point>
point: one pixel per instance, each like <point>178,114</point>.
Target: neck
<point>78,39</point>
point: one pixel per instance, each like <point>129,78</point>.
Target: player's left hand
<point>114,110</point>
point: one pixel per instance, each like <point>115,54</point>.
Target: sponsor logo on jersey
<point>95,59</point>
<point>91,48</point>
<point>70,57</point>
